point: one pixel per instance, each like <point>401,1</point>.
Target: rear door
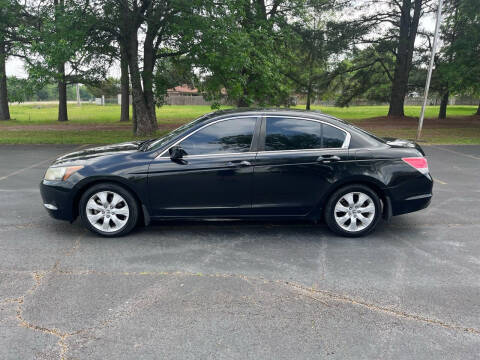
<point>298,159</point>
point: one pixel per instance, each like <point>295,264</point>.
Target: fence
<point>413,101</point>
<point>199,100</point>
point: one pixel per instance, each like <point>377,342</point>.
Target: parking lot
<point>255,290</point>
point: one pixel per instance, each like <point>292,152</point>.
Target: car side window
<point>229,136</point>
<point>333,137</point>
<point>292,134</point>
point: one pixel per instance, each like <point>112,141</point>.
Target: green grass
<point>94,114</point>
<point>365,112</point>
<point>109,115</point>
<point>69,137</point>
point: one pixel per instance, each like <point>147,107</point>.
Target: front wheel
<point>353,211</point>
<point>108,210</point>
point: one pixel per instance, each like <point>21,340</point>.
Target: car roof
<point>216,115</point>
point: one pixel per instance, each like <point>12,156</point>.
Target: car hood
<point>90,155</point>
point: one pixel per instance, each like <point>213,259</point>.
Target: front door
<point>214,178</point>
<point>297,161</point>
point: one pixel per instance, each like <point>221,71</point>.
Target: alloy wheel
<point>107,211</point>
<point>354,211</point>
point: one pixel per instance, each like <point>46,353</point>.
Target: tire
<point>108,202</point>
<point>353,211</point>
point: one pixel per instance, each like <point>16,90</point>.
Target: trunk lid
<point>403,143</point>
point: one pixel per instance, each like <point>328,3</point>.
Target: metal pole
<point>78,94</point>
<point>429,76</point>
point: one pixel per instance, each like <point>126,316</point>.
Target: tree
<point>19,90</point>
<point>241,50</point>
<point>125,86</point>
<point>367,74</point>
<point>395,26</point>
<point>108,87</point>
<point>168,29</point>
<point>320,40</point>
<point>11,15</point>
<point>459,69</point>
<point>407,24</point>
<point>66,47</point>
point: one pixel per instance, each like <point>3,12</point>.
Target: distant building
<point>183,90</point>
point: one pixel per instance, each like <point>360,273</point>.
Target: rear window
<point>333,137</point>
<point>292,134</point>
<point>301,134</point>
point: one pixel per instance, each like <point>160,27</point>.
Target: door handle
<point>243,163</point>
<point>328,158</point>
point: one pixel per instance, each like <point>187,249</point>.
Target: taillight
<point>419,163</point>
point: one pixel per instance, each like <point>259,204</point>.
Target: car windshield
<point>173,134</point>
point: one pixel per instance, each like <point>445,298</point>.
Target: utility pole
<point>430,67</point>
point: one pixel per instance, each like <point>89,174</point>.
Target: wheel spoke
<point>106,224</point>
<point>95,217</point>
<point>343,219</point>
<point>118,222</point>
<point>370,208</point>
<point>340,208</point>
<point>362,198</point>
<point>122,211</point>
<point>103,198</point>
<point>116,200</point>
<point>353,225</point>
<point>363,219</point>
<point>92,205</point>
<point>349,199</point>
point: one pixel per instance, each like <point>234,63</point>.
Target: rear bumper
<point>411,204</point>
<point>57,200</point>
<point>411,196</point>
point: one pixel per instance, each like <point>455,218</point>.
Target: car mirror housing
<point>176,152</point>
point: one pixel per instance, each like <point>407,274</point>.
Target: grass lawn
<point>37,123</point>
<point>94,114</point>
<point>365,112</point>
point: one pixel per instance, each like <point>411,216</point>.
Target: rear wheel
<point>108,210</point>
<point>353,210</point>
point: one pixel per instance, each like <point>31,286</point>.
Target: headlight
<point>60,173</point>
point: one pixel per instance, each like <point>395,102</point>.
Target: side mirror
<point>176,152</point>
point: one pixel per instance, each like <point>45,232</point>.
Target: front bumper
<point>57,200</point>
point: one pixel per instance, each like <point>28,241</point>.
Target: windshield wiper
<point>144,144</point>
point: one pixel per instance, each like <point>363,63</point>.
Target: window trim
<point>255,134</point>
<point>345,145</point>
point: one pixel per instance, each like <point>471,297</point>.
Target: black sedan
<point>243,164</point>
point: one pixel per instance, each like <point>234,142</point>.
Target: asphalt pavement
<point>241,290</point>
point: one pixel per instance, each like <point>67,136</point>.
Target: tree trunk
<point>62,94</point>
<point>242,102</point>
<point>125,86</point>
<point>145,124</point>
<point>443,106</point>
<point>62,85</point>
<point>403,64</point>
<point>134,118</point>
<point>147,75</point>
<point>478,109</point>
<point>309,95</point>
<point>4,110</point>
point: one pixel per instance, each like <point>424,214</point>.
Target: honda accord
<point>243,164</point>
